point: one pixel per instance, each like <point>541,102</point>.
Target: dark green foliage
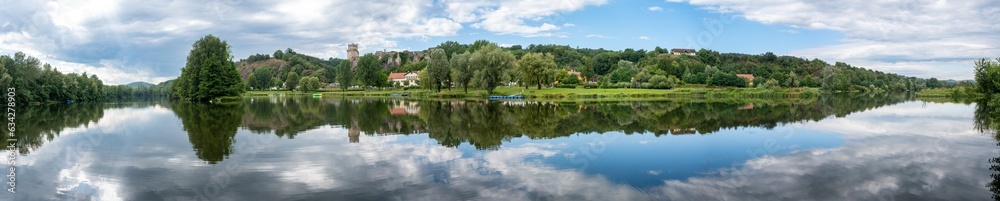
<point>369,71</point>
<point>345,78</point>
<point>727,79</point>
<point>309,83</point>
<point>261,78</point>
<point>604,62</point>
<point>292,81</point>
<point>988,76</point>
<point>209,72</point>
<point>438,69</point>
<point>462,70</point>
<point>494,63</point>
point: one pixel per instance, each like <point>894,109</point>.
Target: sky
<point>128,41</point>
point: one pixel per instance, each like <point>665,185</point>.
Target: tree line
<point>35,82</point>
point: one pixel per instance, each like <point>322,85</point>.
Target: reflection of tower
<point>352,54</point>
<point>353,132</point>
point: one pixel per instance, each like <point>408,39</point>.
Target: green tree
<point>438,69</point>
<point>344,76</point>
<point>536,69</point>
<point>494,63</point>
<point>309,83</point>
<point>604,63</point>
<point>260,79</point>
<point>988,76</point>
<point>209,72</point>
<point>462,71</point>
<point>292,81</point>
<point>369,71</point>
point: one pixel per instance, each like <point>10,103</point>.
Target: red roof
<point>397,75</point>
<point>749,77</point>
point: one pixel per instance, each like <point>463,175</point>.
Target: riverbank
<point>569,93</point>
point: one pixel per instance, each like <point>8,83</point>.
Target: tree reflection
<point>210,127</point>
<point>987,120</point>
<point>38,124</point>
<point>482,124</point>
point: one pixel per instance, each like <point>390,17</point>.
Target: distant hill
<point>139,84</point>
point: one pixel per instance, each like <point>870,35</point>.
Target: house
<point>399,79</point>
<point>749,77</point>
<point>579,76</point>
<point>413,78</point>
<point>407,79</point>
<point>679,51</point>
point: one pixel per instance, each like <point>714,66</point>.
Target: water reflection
<point>883,148</point>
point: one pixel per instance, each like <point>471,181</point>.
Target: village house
<point>407,79</point>
<point>748,77</point>
<point>679,51</point>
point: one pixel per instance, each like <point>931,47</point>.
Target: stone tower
<point>352,54</point>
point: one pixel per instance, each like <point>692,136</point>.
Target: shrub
<point>622,85</point>
<point>590,86</point>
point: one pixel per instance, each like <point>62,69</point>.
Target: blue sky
<point>126,41</point>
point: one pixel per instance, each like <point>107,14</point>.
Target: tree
<point>260,78</point>
<point>536,69</point>
<point>604,62</point>
<point>278,54</point>
<point>309,83</point>
<point>209,72</point>
<point>988,76</point>
<point>438,69</point>
<point>494,63</point>
<point>624,72</point>
<point>292,81</point>
<point>462,72</point>
<point>369,71</point>
<point>451,48</point>
<point>344,75</point>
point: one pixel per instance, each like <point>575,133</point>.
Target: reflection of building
<point>404,108</point>
<point>681,131</point>
<point>746,107</point>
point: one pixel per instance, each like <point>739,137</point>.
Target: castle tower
<point>352,54</point>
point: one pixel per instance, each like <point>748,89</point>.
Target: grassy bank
<point>572,93</point>
<point>957,92</point>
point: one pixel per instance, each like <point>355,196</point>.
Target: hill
<point>139,84</point>
<point>283,62</point>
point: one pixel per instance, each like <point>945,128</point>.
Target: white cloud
<point>569,25</point>
<point>885,31</point>
<point>654,8</point>
<point>509,17</point>
<point>645,38</point>
<point>148,41</point>
<point>597,36</point>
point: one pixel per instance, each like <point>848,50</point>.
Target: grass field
<point>571,94</point>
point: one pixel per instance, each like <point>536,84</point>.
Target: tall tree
<point>461,70</point>
<point>494,63</point>
<point>344,76</point>
<point>369,71</point>
<point>988,76</point>
<point>260,79</point>
<point>309,83</point>
<point>438,69</point>
<point>292,81</point>
<point>209,72</point>
<point>536,69</point>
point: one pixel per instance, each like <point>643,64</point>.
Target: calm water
<point>855,147</point>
